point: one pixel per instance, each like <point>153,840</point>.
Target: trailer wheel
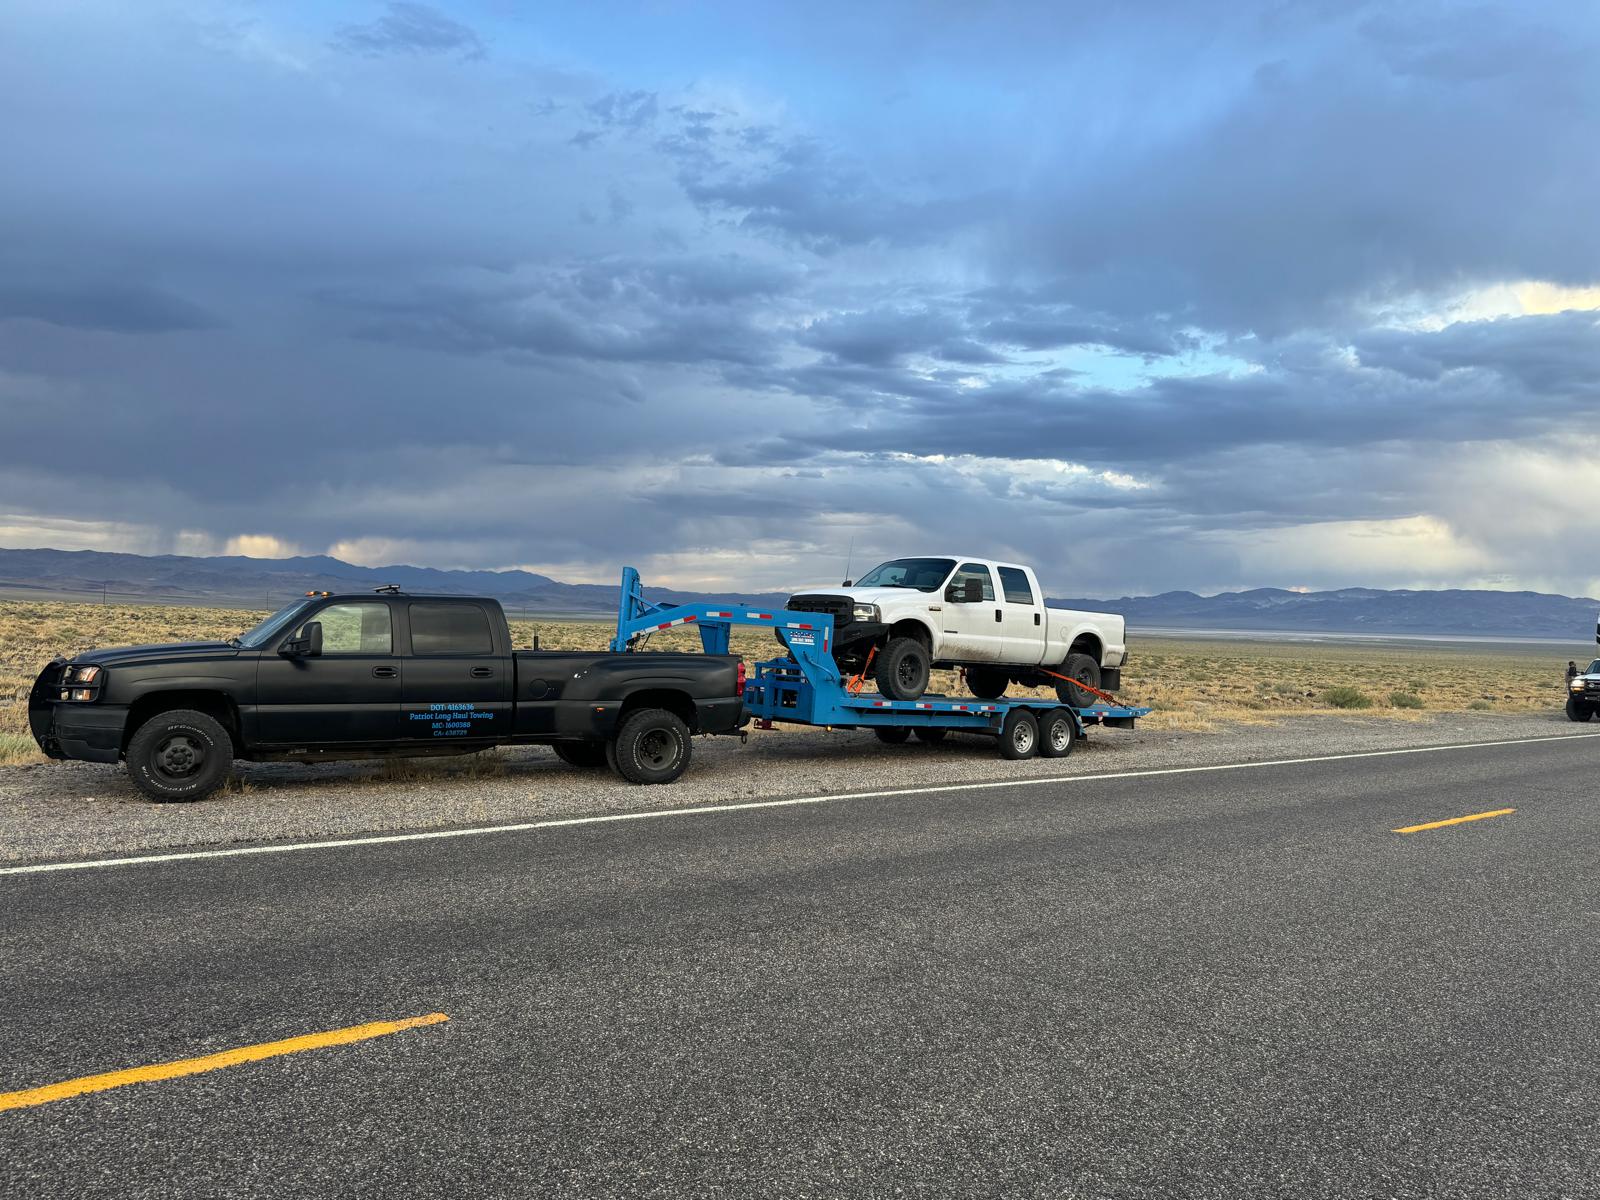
<point>1577,710</point>
<point>892,735</point>
<point>987,683</point>
<point>1019,735</point>
<point>586,755</point>
<point>651,746</point>
<point>929,734</point>
<point>903,669</point>
<point>1057,733</point>
<point>1079,668</point>
<point>179,755</point>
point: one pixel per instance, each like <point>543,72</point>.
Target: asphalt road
<point>1226,983</point>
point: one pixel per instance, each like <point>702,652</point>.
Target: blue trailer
<point>806,687</point>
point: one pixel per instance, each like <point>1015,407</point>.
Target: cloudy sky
<point>1182,294</point>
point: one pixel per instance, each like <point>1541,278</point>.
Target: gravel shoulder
<point>70,810</point>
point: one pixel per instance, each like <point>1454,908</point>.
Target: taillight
<point>741,677</point>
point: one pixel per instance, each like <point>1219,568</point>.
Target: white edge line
<point>746,806</point>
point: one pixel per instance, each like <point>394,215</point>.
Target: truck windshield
<point>923,574</point>
<point>254,639</point>
<point>1594,668</point>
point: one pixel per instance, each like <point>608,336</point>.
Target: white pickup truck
<point>911,615</point>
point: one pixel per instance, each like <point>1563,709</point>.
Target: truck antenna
<point>851,553</point>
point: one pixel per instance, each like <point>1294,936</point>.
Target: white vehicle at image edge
<point>910,615</point>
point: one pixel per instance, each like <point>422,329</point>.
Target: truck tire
<point>585,755</point>
<point>1577,710</point>
<point>987,683</point>
<point>1019,735</point>
<point>179,755</point>
<point>1057,733</point>
<point>1079,668</point>
<point>929,735</point>
<point>903,669</point>
<point>652,746</point>
<point>892,735</point>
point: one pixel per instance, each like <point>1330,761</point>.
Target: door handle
<point>482,672</point>
<point>1035,618</point>
<point>997,615</point>
<point>384,672</point>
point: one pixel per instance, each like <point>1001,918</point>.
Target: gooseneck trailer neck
<point>806,686</point>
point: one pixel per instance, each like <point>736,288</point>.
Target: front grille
<point>839,608</point>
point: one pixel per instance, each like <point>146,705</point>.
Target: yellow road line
<point>1499,812</point>
<point>211,1062</point>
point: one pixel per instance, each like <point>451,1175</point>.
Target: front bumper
<point>88,732</point>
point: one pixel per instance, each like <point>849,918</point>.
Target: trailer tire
<point>1057,734</point>
<point>1078,668</point>
<point>903,669</point>
<point>585,755</point>
<point>652,746</point>
<point>929,735</point>
<point>1019,735</point>
<point>987,683</point>
<point>892,735</point>
<point>1577,710</point>
<point>179,755</point>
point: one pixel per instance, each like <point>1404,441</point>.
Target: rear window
<point>1014,582</point>
<point>450,629</point>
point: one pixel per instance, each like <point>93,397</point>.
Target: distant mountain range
<point>237,581</point>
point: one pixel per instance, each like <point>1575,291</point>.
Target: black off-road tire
<point>892,735</point>
<point>1057,733</point>
<point>1079,668</point>
<point>652,746</point>
<point>903,669</point>
<point>929,735</point>
<point>584,755</point>
<point>987,683</point>
<point>179,755</point>
<point>1019,735</point>
<point>1577,710</point>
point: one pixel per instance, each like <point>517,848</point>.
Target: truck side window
<point>973,571</point>
<point>1014,581</point>
<point>355,629</point>
<point>450,629</point>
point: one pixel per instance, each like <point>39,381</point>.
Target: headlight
<point>865,612</point>
<point>81,674</point>
<point>1576,685</point>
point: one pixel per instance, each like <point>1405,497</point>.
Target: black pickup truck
<point>366,676</point>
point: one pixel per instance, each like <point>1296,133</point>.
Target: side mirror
<point>972,591</point>
<point>847,583</point>
<point>308,644</point>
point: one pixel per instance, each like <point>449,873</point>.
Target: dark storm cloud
<point>109,308</point>
<point>1127,282</point>
<point>407,28</point>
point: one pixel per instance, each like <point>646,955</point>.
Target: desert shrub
<point>1346,697</point>
<point>1405,700</point>
<point>1480,706</point>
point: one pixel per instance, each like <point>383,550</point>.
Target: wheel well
<point>213,704</point>
<point>1087,643</point>
<point>913,629</point>
<point>677,703</point>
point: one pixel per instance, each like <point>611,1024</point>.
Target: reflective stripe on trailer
<point>670,624</point>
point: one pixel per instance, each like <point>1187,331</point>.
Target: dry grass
<point>1192,684</point>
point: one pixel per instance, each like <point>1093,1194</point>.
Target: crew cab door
<point>349,694</point>
<point>458,677</point>
<point>1021,617</point>
<point>972,628</point>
